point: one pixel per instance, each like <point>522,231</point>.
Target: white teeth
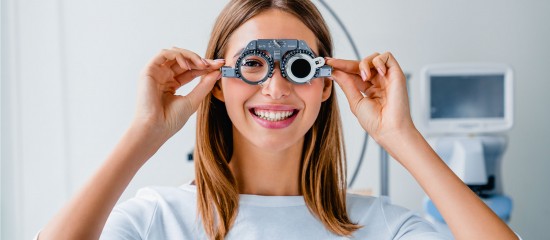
<point>273,115</point>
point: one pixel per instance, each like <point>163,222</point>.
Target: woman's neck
<point>269,171</point>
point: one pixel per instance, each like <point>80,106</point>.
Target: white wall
<point>69,72</point>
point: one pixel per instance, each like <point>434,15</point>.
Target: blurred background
<point>70,68</point>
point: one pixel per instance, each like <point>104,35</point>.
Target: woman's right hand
<point>159,115</point>
<point>159,110</point>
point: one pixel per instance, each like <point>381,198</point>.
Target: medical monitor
<point>467,98</point>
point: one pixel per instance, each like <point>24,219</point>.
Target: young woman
<point>269,157</point>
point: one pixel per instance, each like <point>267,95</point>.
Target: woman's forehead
<point>271,24</point>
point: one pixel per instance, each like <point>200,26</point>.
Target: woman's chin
<point>274,143</point>
<point>270,145</point>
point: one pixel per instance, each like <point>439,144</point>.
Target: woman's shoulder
<point>377,213</point>
<point>143,215</point>
<point>166,191</point>
<point>358,200</point>
<point>369,207</point>
<point>153,198</point>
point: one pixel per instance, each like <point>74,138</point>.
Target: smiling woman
<point>269,157</point>
<point>259,147</point>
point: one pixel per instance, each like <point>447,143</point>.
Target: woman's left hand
<point>377,94</point>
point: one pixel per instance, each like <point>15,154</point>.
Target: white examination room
<point>444,135</point>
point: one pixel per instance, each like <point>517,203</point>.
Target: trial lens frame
<point>286,51</point>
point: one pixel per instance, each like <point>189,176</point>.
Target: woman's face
<point>277,115</point>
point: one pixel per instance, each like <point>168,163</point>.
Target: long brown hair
<point>323,171</point>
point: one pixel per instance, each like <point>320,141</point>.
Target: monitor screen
<point>467,96</point>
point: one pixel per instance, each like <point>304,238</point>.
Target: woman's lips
<point>274,117</point>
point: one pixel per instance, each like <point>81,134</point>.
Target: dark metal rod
<point>384,172</point>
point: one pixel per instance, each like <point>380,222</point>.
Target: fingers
<point>349,66</point>
<point>175,67</point>
<point>386,62</point>
<point>203,88</point>
<point>354,80</point>
<point>363,68</point>
<point>374,68</point>
<point>181,60</point>
<point>182,56</point>
<point>375,63</point>
<point>195,71</point>
<point>366,67</point>
<point>193,60</point>
<point>352,85</point>
<point>380,63</point>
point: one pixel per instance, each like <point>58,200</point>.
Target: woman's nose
<point>277,86</point>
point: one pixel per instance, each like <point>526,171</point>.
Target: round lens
<point>254,68</point>
<point>300,68</point>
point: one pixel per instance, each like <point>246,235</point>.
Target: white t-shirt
<point>171,213</point>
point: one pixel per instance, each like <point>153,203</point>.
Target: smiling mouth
<point>273,115</point>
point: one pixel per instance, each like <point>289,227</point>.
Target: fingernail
<point>205,62</point>
<point>380,71</point>
<point>363,75</point>
<point>219,60</point>
<point>187,65</point>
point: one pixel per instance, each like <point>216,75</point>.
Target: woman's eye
<point>252,63</point>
